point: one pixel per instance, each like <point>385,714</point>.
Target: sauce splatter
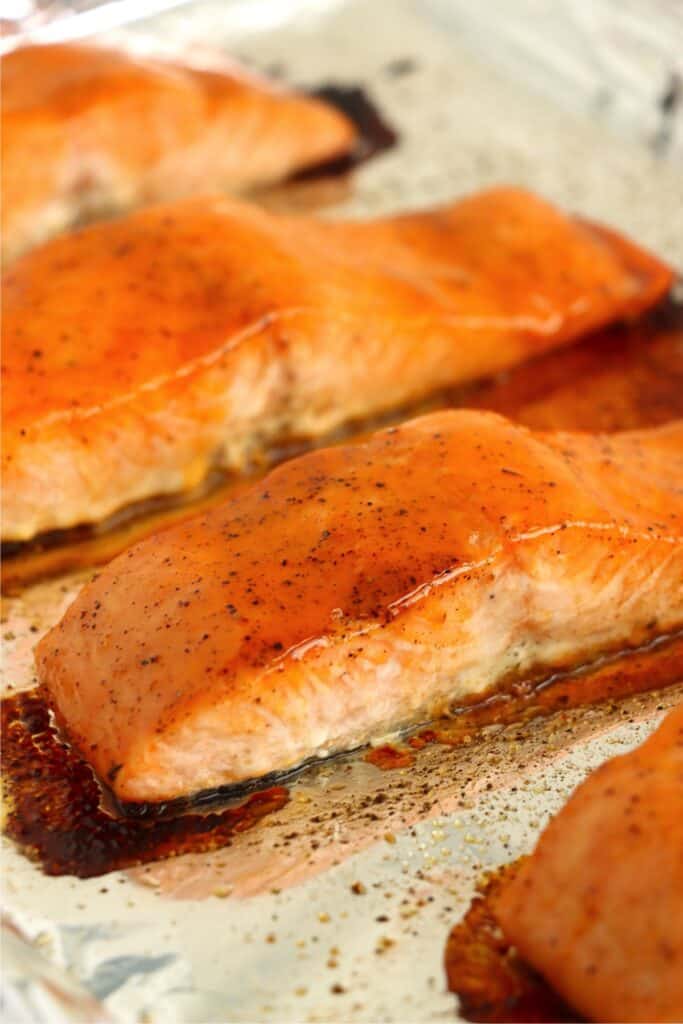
<point>492,983</point>
<point>55,808</point>
<point>388,757</point>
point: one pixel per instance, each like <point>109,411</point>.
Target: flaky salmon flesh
<point>89,131</point>
<point>358,590</point>
<point>598,907</point>
<point>142,353</point>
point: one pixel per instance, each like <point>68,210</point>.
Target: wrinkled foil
<point>338,906</point>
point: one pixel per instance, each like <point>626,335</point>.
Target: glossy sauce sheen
<point>88,131</point>
<point>55,808</point>
<point>609,680</point>
<point>623,378</point>
<point>222,331</point>
<point>358,589</point>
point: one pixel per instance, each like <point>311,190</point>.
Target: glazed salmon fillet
<point>597,908</point>
<point>142,353</point>
<point>358,590</point>
<point>88,131</point>
<point>625,377</point>
<point>618,379</point>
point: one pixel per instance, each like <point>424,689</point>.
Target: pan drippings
<point>492,983</point>
<point>56,809</point>
<point>56,814</point>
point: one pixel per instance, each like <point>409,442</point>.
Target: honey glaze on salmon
<point>86,546</point>
<point>595,908</point>
<point>624,378</point>
<point>67,821</point>
<point>223,330</point>
<point>363,589</point>
<point>88,131</point>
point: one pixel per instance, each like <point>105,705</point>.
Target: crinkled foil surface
<point>328,912</point>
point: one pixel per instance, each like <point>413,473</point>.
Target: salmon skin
<point>597,907</point>
<point>88,131</point>
<point>361,589</point>
<point>141,353</point>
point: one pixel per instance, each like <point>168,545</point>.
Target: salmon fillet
<point>87,131</point>
<point>618,379</point>
<point>621,378</point>
<point>141,353</point>
<point>598,907</point>
<point>358,590</point>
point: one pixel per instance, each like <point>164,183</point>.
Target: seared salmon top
<point>88,130</point>
<point>139,353</point>
<point>360,588</point>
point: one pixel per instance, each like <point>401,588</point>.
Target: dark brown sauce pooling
<point>55,805</point>
<point>375,134</point>
<point>492,983</point>
<point>55,812</point>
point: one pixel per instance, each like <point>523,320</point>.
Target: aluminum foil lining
<point>330,912</point>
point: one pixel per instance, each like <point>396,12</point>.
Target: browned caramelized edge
<point>61,815</point>
<point>492,983</point>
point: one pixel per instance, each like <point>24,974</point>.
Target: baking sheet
<point>346,919</point>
